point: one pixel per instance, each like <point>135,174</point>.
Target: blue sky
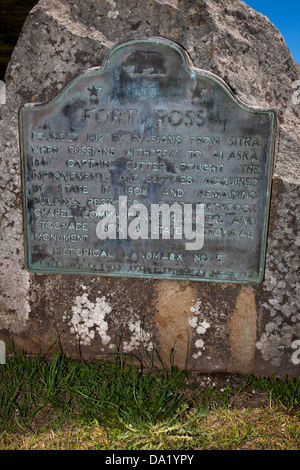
<point>285,15</point>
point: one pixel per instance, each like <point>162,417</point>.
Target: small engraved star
<point>196,94</point>
<point>94,90</point>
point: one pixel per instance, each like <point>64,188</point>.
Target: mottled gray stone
<point>231,328</point>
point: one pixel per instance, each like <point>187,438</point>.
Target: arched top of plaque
<point>145,59</point>
<point>148,126</point>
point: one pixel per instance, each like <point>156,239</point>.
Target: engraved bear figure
<point>145,64</point>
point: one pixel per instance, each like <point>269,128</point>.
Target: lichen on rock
<point>88,319</point>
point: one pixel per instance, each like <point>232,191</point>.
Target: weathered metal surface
<point>149,127</point>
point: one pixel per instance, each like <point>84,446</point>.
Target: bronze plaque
<point>147,167</point>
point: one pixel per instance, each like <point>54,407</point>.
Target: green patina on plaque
<point>149,128</point>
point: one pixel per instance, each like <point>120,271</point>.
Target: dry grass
<point>63,406</point>
<point>270,428</point>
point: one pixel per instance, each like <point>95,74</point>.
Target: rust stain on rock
<point>242,326</point>
<point>173,303</point>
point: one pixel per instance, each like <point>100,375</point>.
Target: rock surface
<point>230,328</point>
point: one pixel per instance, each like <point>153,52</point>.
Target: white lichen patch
<point>282,308</point>
<point>138,337</point>
<point>200,326</point>
<point>112,13</point>
<point>88,319</point>
<point>193,322</point>
<point>196,308</point>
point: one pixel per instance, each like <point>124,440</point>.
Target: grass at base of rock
<point>118,404</point>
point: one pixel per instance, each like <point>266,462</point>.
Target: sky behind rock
<point>286,17</point>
